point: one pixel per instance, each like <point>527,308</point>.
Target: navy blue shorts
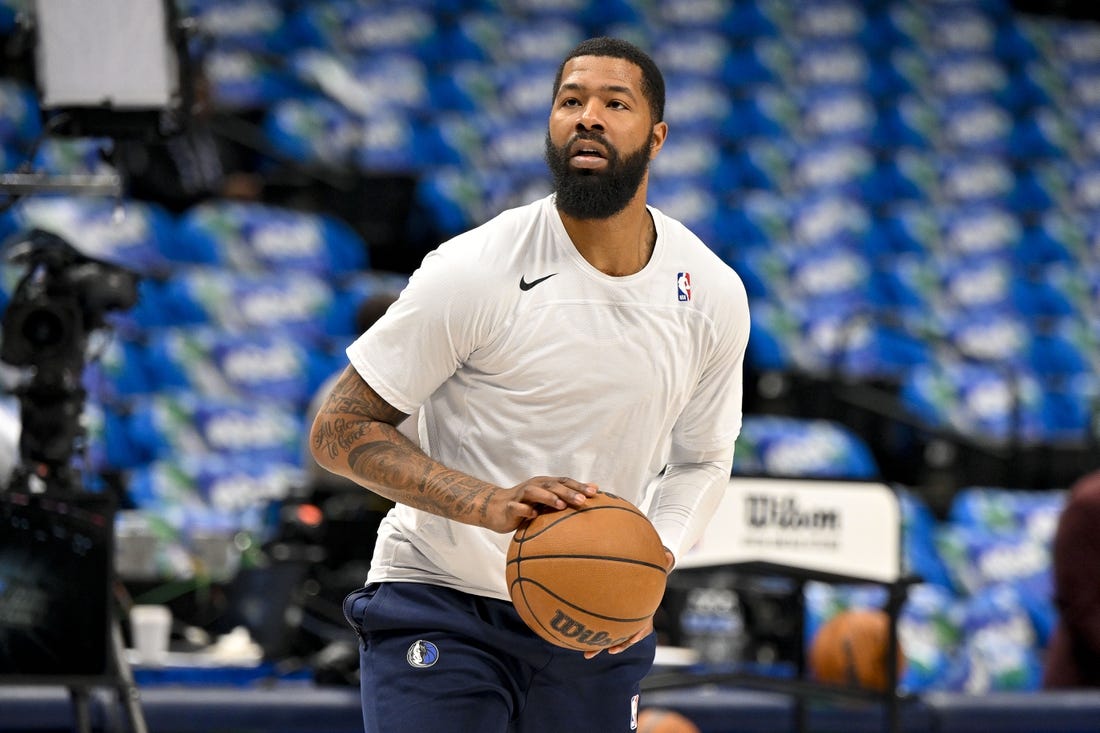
<point>432,658</point>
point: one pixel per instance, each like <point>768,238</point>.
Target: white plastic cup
<point>151,629</point>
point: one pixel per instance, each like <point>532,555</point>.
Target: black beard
<point>588,194</point>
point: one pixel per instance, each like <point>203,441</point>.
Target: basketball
<point>850,649</point>
<point>660,720</point>
<point>587,578</point>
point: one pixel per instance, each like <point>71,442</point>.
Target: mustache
<point>595,137</point>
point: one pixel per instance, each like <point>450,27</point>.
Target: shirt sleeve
<point>685,498</point>
<point>443,314</point>
<point>711,421</point>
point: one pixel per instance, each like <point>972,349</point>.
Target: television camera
<point>61,299</point>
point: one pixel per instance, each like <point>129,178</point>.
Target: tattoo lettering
<point>352,396</point>
<point>436,489</point>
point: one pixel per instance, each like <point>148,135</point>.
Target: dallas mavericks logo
<point>422,654</point>
<point>683,286</point>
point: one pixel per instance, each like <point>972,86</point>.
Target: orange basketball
<point>850,649</point>
<point>587,578</point>
<point>660,720</point>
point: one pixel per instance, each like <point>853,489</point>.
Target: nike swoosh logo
<point>524,285</point>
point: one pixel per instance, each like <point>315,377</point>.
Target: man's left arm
<point>685,498</point>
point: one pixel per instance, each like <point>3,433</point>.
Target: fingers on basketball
<point>589,577</point>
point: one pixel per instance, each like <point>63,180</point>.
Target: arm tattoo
<point>358,426</point>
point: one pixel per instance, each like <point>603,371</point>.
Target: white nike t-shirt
<point>525,360</point>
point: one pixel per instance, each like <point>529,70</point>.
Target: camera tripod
<point>119,676</point>
<point>73,637</point>
<point>69,633</point>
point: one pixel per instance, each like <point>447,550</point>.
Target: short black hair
<point>653,83</point>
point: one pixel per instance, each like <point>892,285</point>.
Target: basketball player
<point>582,341</point>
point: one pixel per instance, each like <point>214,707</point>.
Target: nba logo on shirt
<point>634,712</point>
<point>683,286</point>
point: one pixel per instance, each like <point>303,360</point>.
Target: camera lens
<point>43,327</point>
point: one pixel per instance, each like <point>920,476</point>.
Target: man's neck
<point>619,245</point>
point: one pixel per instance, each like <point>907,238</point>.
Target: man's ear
<point>657,138</point>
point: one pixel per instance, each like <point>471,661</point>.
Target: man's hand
<point>643,633</point>
<point>507,509</point>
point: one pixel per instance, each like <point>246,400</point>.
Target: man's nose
<point>591,117</point>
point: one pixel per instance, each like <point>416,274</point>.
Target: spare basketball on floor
<point>850,649</point>
<point>587,578</point>
<point>659,720</point>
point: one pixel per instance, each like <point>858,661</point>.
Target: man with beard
<point>584,341</point>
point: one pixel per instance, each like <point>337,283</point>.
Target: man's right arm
<point>355,435</point>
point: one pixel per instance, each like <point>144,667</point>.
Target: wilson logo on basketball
<point>572,629</point>
<point>589,577</point>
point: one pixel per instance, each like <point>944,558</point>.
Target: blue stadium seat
<point>168,426</point>
<point>965,74</point>
<point>466,86</point>
<point>769,111</point>
<point>131,234</point>
<point>73,156</point>
<point>358,29</point>
<point>995,402</point>
<point>19,115</point>
<point>772,445</point>
<point>697,105</point>
<point>978,229</point>
<point>693,52</point>
<point>1040,134</point>
<point>453,197</point>
<point>204,493</point>
<point>340,321</point>
<point>293,303</point>
<point>831,20</point>
<point>827,339</point>
<point>262,367</point>
<point>546,41</point>
<point>743,22</point>
<point>891,26</point>
<point>832,64</point>
<point>827,218</point>
<point>241,80</point>
<point>313,130</point>
<point>691,200</point>
<point>905,121</point>
<point>975,179</point>
<point>763,63</point>
<point>919,552</point>
<point>760,163</point>
<point>1053,239</point>
<point>977,126</point>
<point>1012,511</point>
<point>258,238</point>
<point>999,648</point>
<point>838,114</point>
<point>929,629</point>
<point>755,218</point>
<point>254,25</point>
<point>367,85</point>
<point>832,167</point>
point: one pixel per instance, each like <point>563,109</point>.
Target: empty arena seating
<point>910,191</point>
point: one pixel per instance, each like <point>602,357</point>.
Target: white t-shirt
<point>525,361</point>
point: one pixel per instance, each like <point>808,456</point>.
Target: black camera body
<point>63,296</point>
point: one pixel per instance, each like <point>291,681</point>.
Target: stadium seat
<point>771,445</point>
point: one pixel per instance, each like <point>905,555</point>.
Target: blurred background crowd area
<point>910,191</point>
